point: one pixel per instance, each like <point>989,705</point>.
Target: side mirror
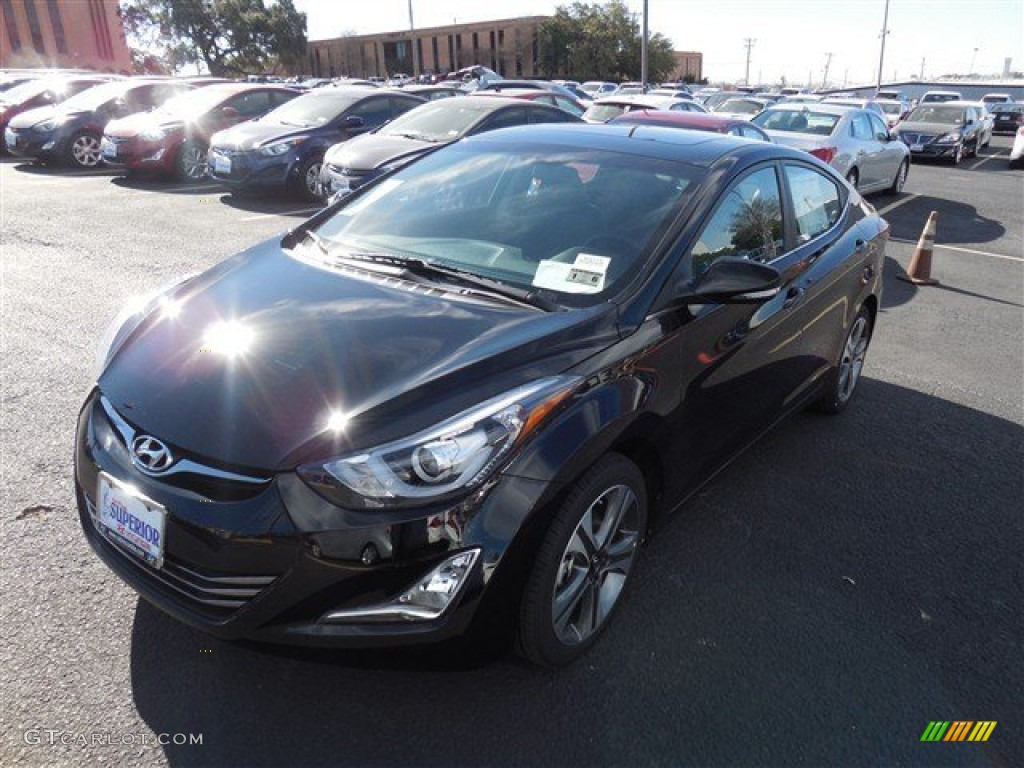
<point>731,280</point>
<point>354,121</point>
<point>230,113</point>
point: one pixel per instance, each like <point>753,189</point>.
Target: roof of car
<point>682,119</point>
<point>699,148</point>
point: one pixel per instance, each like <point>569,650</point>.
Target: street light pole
<point>749,42</point>
<point>881,55</point>
<point>412,42</point>
<point>970,70</point>
<point>643,52</point>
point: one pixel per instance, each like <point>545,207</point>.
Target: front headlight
<point>46,126</point>
<point>152,134</point>
<point>454,456</point>
<point>949,138</point>
<point>280,147</point>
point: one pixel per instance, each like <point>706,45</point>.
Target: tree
<point>589,41</point>
<point>232,37</point>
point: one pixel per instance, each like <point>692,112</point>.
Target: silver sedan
<point>856,142</point>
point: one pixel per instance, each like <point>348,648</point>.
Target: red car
<point>694,121</point>
<point>174,139</point>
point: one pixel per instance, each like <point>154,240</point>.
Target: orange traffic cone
<point>920,270</point>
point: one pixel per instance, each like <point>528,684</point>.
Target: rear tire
<point>841,382</point>
<point>583,565</point>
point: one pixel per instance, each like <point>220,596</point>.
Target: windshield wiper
<point>484,285</point>
<point>318,240</point>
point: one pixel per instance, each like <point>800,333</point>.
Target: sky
<point>792,37</point>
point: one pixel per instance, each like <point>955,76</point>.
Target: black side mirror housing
<point>354,121</point>
<point>731,280</point>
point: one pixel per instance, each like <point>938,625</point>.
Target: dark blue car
<point>285,148</point>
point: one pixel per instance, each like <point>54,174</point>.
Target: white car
<point>856,142</point>
<point>603,110</point>
<point>987,122</point>
<point>1017,151</point>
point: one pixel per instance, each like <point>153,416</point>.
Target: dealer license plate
<point>131,520</point>
<point>221,164</point>
<point>916,147</point>
<point>108,149</point>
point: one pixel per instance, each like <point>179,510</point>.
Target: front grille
<point>213,593</point>
<point>917,138</point>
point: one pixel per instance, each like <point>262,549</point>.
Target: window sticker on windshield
<point>585,275</point>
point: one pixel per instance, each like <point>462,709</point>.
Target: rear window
<point>793,121</point>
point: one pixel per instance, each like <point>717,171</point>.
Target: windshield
<point>602,113</point>
<point>311,110</point>
<point>93,98</point>
<point>440,121</point>
<point>796,121</point>
<point>890,109</point>
<point>533,217</point>
<point>947,115</point>
<point>1009,108</point>
<point>195,102</point>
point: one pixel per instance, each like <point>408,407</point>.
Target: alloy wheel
<point>193,162</point>
<point>85,150</point>
<point>595,565</point>
<point>312,180</point>
<point>853,357</point>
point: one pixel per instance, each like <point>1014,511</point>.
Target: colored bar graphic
<point>958,730</point>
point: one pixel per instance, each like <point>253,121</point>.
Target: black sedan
<point>427,128</point>
<point>457,400</point>
<point>285,148</point>
<point>72,130</point>
<point>947,130</point>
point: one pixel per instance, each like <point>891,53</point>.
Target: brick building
<point>508,46</point>
<point>85,34</point>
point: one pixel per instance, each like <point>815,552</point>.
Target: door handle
<point>859,246</point>
<point>867,274</point>
<point>793,297</point>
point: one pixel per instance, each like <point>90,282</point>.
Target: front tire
<point>584,563</point>
<point>841,383</point>
<point>901,177</point>
<point>190,164</point>
<point>307,181</point>
<point>84,150</point>
<point>958,154</point>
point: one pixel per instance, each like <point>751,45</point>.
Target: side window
<point>563,103</point>
<point>747,223</point>
<point>546,99</point>
<point>862,127</point>
<point>374,112</point>
<point>815,201</point>
<point>277,98</point>
<point>752,133</point>
<point>680,106</point>
<point>401,106</point>
<point>878,126</point>
<point>251,104</point>
<point>505,119</point>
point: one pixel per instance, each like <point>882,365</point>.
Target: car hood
<point>394,357</point>
<point>937,129</point>
<point>370,151</point>
<point>254,134</point>
<point>126,127</point>
<point>30,117</point>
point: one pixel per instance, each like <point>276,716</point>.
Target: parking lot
<point>835,589</point>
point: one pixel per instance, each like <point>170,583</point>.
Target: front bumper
<point>268,560</point>
<point>927,146</point>
<point>335,180</point>
<point>250,170</point>
<point>32,144</point>
<point>137,155</point>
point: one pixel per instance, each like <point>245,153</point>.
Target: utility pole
<point>749,42</point>
<point>643,53</point>
<point>970,69</point>
<point>412,42</point>
<point>921,77</point>
<point>828,63</point>
<point>881,54</point>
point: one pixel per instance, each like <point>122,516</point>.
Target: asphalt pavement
<point>842,584</point>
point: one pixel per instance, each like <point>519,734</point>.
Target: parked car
<point>71,131</point>
<point>676,93</point>
<point>987,120</point>
<point>284,149</point>
<point>997,98</point>
<point>603,110</point>
<point>1017,150</point>
<point>41,92</point>
<point>501,86</point>
<point>693,121</point>
<point>566,103</point>
<point>174,139</point>
<point>742,107</point>
<point>871,104</point>
<point>937,97</point>
<point>631,88</point>
<point>800,98</point>
<point>422,130</point>
<point>596,89</point>
<point>893,110</point>
<point>949,130</point>
<point>856,142</point>
<point>462,397</point>
<point>1007,118</point>
<point>712,100</point>
<point>433,92</point>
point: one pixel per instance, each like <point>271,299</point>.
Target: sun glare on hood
<point>230,338</point>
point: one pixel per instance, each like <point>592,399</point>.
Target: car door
<point>890,151</point>
<point>740,364</point>
<point>868,152</point>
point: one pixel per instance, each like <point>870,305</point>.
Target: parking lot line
<point>963,250</point>
<point>280,213</point>
<point>897,204</point>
